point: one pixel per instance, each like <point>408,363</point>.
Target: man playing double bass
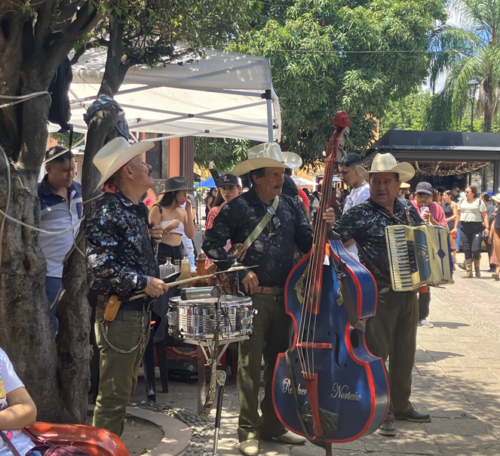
<point>393,329</point>
<point>270,225</point>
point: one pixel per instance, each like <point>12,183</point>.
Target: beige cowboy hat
<point>266,155</point>
<point>386,163</point>
<point>292,160</point>
<point>117,153</point>
<point>405,185</point>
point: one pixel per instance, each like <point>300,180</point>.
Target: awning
<point>224,95</point>
<point>437,146</point>
<point>207,183</point>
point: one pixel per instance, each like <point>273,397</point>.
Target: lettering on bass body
<point>342,392</point>
<point>287,388</point>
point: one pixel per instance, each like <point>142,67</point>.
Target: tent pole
<point>270,133</point>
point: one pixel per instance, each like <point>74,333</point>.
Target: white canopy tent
<point>222,95</point>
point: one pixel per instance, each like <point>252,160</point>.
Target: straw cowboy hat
<point>117,153</point>
<point>386,163</point>
<point>292,160</point>
<point>266,155</point>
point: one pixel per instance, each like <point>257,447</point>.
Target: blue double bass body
<point>328,387</point>
<point>353,394</point>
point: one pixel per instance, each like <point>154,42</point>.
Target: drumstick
<point>194,279</point>
<point>174,284</point>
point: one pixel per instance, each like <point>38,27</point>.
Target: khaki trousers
<point>118,371</point>
<point>392,333</point>
<point>271,336</point>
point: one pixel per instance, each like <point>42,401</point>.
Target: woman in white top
<point>173,218</point>
<point>473,220</point>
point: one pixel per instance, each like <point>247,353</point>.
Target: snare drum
<point>195,319</point>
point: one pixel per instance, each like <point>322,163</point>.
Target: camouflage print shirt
<point>120,253</point>
<point>366,224</point>
<point>273,251</point>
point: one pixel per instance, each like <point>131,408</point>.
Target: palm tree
<point>469,52</point>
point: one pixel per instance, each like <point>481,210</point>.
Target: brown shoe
<point>477,268</point>
<point>468,269</point>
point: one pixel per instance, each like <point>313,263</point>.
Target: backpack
<point>60,110</point>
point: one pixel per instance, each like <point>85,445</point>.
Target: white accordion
<point>419,255</point>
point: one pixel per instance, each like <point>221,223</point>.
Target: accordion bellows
<point>418,256</point>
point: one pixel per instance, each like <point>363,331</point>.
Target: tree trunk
<point>488,106</point>
<point>27,332</point>
<point>73,310</point>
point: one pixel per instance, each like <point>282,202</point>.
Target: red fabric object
<point>109,188</point>
<point>304,198</point>
<point>436,210</point>
<point>95,441</point>
<point>214,212</point>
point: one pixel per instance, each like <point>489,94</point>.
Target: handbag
<point>45,447</point>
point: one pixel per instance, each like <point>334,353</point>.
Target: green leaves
<point>328,55</point>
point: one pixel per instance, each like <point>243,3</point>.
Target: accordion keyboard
<point>418,256</point>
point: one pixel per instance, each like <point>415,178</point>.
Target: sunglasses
<point>423,195</point>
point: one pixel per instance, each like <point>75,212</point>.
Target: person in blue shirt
<point>60,208</point>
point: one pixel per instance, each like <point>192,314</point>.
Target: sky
<point>453,18</point>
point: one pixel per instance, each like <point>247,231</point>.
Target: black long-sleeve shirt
<point>120,254</point>
<point>273,254</point>
<point>366,224</point>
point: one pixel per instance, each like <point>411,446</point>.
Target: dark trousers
<point>472,235</point>
<point>271,336</point>
<point>424,302</point>
<point>392,333</point>
<point>489,248</point>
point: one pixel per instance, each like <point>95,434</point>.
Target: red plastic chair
<point>95,441</point>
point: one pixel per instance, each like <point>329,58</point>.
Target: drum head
<point>226,300</point>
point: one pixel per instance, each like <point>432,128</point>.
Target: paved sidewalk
<point>456,378</point>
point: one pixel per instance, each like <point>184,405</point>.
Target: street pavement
<point>456,379</point>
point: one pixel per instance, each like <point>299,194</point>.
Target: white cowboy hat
<point>496,198</point>
<point>292,160</point>
<point>386,163</point>
<point>117,153</point>
<point>266,155</point>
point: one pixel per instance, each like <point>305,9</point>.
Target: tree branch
<point>102,42</point>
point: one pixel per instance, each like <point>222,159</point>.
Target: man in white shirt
<point>359,194</point>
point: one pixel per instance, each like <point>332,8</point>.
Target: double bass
<point>328,387</point>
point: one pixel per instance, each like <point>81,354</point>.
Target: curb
<point>177,436</point>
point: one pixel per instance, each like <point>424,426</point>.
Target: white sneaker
<point>249,447</point>
<point>291,439</point>
<point>425,324</point>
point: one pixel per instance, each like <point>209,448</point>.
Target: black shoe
<point>387,429</point>
<point>492,269</point>
<point>415,416</point>
<point>461,266</point>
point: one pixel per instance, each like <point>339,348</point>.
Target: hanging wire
<point>7,206</point>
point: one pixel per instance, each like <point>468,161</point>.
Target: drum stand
<point>207,355</point>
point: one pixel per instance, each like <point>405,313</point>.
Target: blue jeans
<point>52,288</point>
<point>34,453</point>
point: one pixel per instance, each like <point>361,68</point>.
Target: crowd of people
<point>266,223</point>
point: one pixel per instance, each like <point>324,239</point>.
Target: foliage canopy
<point>326,55</point>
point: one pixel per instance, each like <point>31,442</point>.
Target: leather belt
<point>138,305</point>
<point>273,291</point>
